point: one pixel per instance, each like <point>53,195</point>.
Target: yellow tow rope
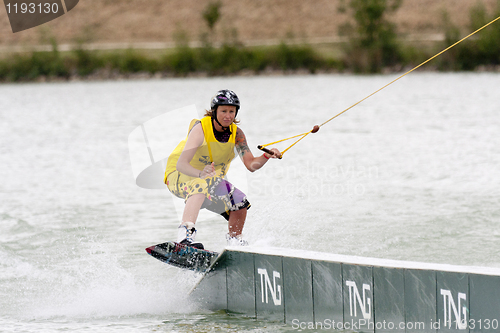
<point>316,127</point>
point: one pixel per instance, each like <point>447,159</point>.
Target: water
<point>412,174</point>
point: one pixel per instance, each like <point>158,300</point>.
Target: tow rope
<point>317,127</point>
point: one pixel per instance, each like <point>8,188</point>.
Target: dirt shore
<point>139,21</point>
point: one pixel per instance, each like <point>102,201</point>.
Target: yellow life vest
<point>221,153</point>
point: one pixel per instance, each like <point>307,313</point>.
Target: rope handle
<point>265,150</point>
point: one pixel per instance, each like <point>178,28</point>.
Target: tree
<point>372,39</point>
<point>212,14</point>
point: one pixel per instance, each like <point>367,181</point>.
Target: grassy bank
<point>229,60</point>
<point>181,61</point>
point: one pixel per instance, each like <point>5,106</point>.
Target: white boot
<point>186,232</point>
<point>235,241</point>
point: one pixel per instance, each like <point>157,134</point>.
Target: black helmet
<point>225,97</point>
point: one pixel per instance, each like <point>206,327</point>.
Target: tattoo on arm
<point>241,143</point>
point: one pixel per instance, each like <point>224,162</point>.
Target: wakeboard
<point>183,256</point>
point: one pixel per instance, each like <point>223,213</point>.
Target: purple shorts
<point>224,197</point>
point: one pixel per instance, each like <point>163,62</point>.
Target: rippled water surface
<point>411,174</point>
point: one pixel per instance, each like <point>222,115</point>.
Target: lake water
<point>413,173</point>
